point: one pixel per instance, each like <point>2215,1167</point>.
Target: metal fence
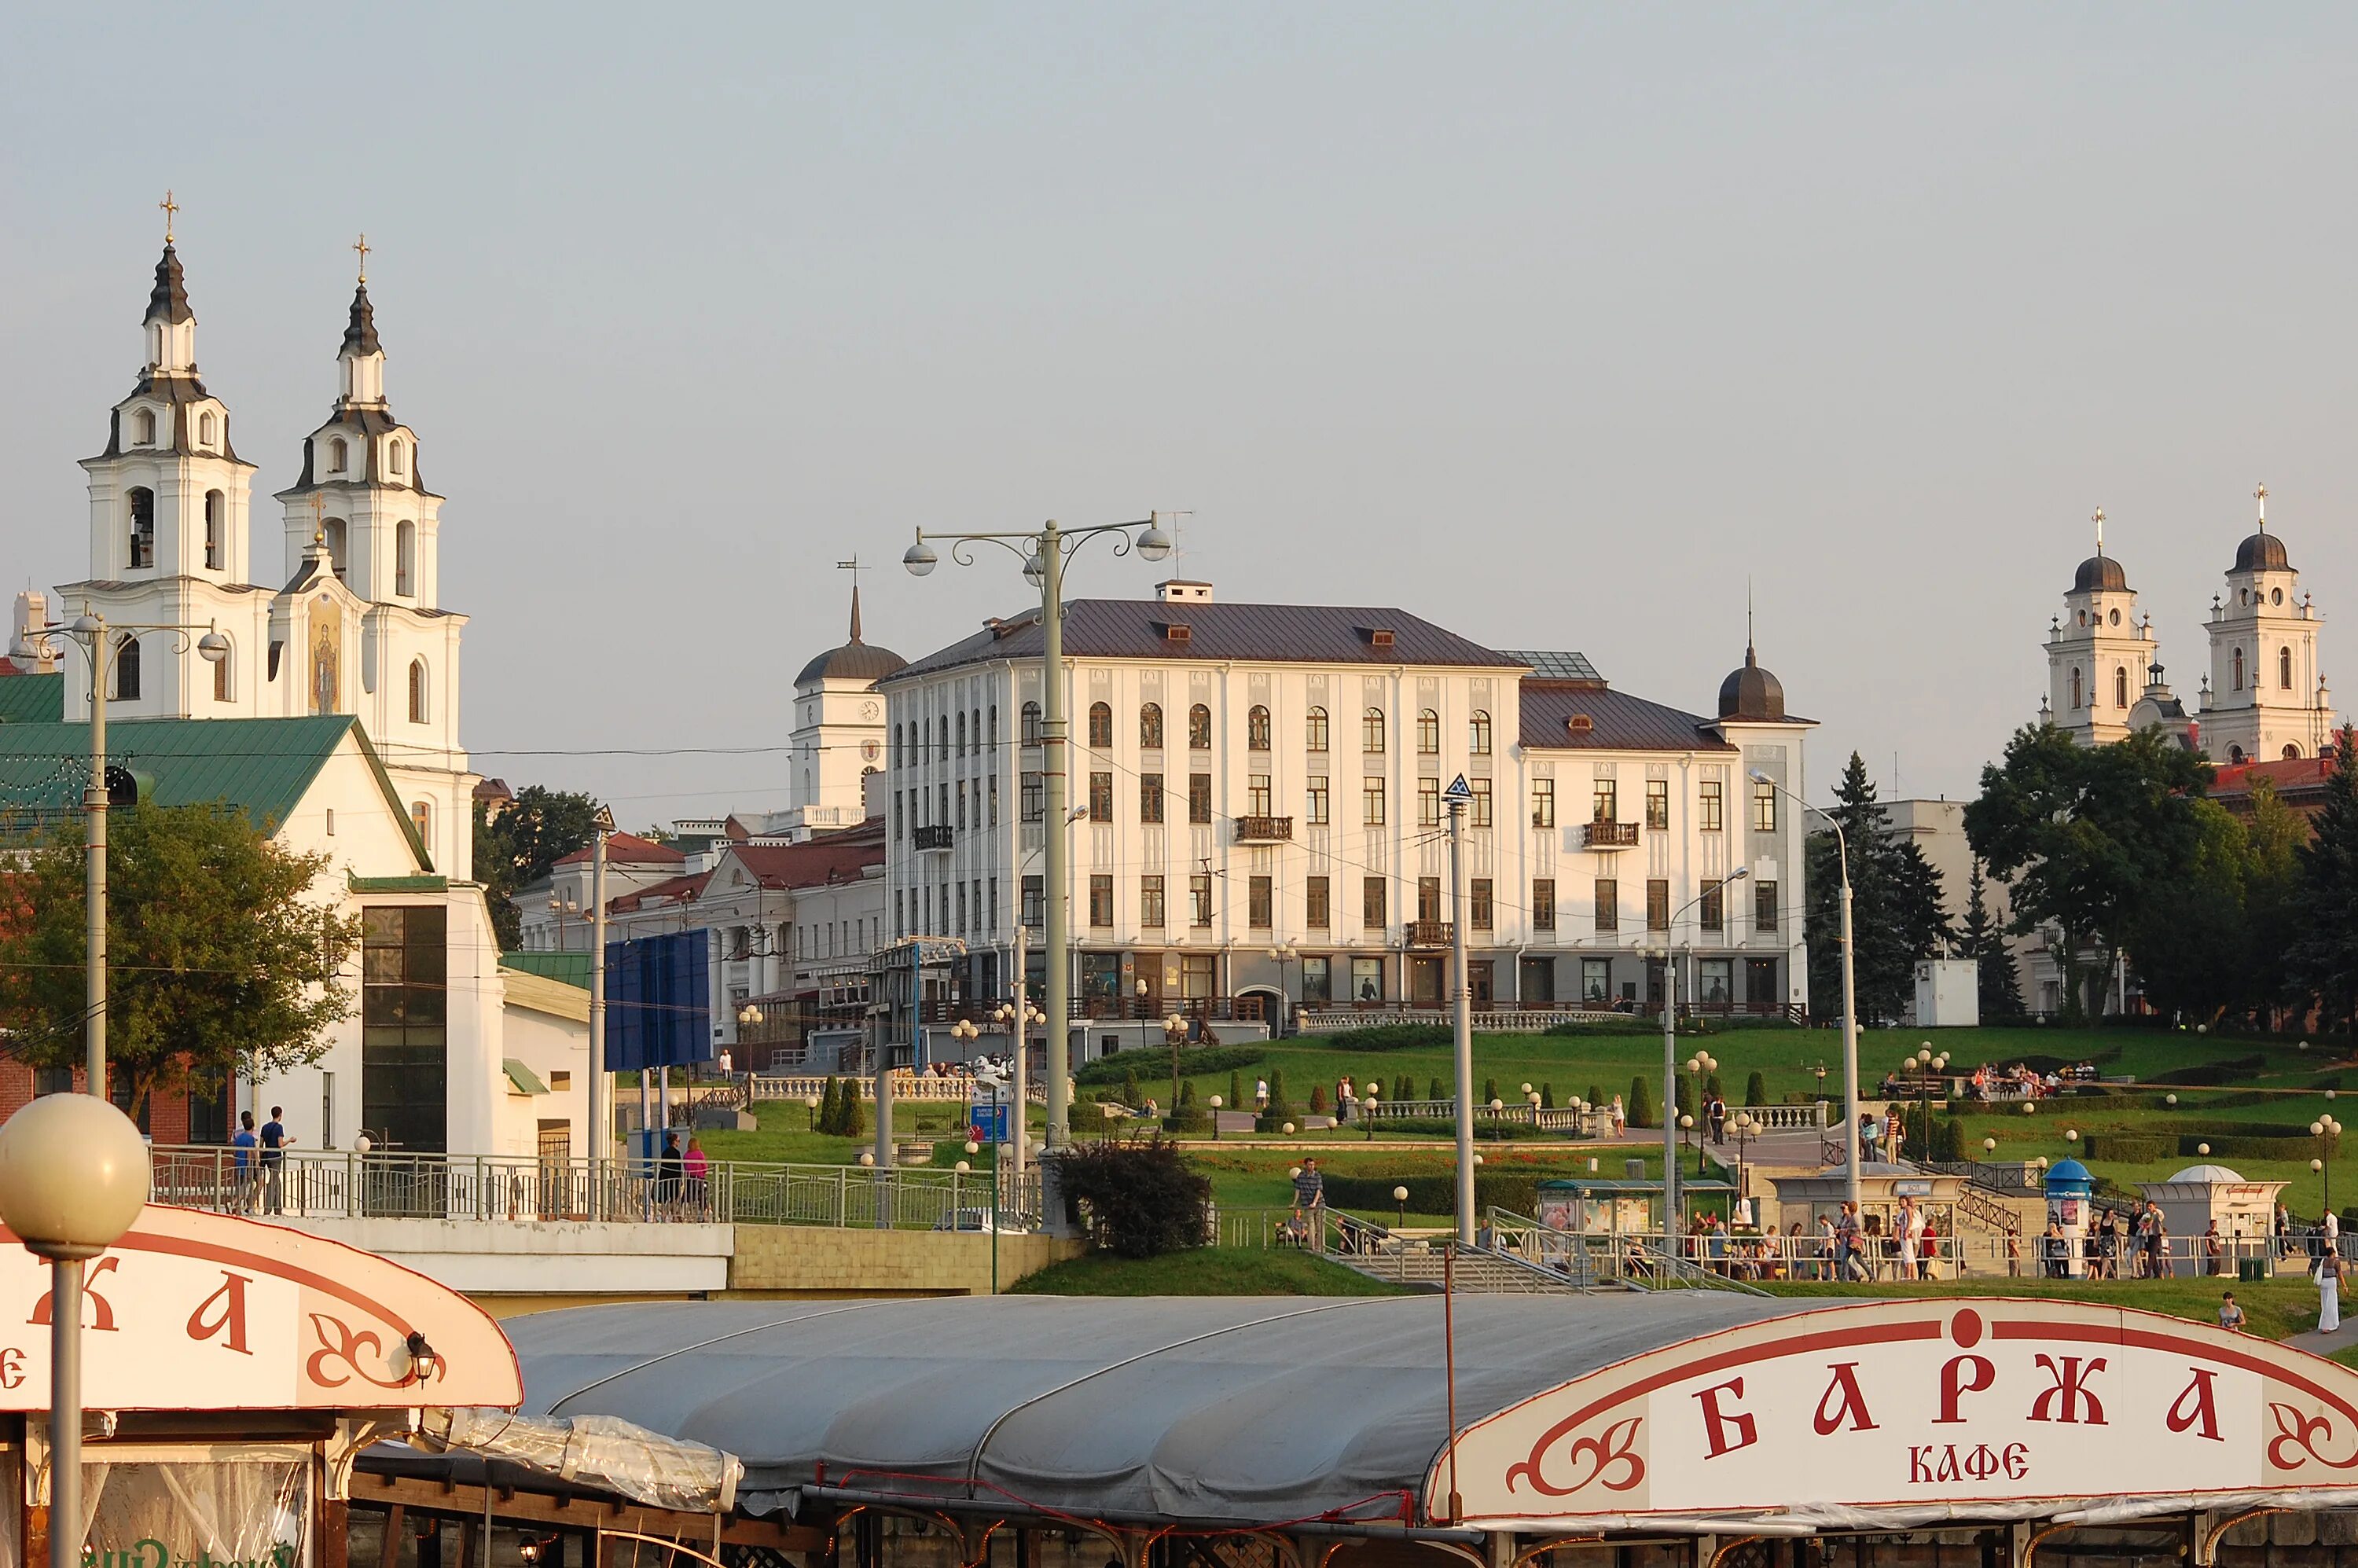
<point>326,1185</point>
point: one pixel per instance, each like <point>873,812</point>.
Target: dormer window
<point>336,455</point>
<point>393,458</point>
<point>143,428</point>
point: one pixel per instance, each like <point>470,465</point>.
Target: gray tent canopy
<point>1238,1411</point>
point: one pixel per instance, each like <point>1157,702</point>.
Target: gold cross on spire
<point>361,245</point>
<point>170,207</point>
<point>2100,530</point>
<point>2260,495</point>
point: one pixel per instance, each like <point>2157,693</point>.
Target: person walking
<point>1928,1256</point>
<point>2014,1254</point>
<point>2214,1251</point>
<point>1620,1117</point>
<point>2329,1293</point>
<point>1717,1113</point>
<point>699,1170</point>
<point>670,1168</point>
<point>274,1161</point>
<point>1261,1096</point>
<point>244,1147</point>
<point>2280,1235</point>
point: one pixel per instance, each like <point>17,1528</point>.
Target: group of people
<point>2022,1082</point>
<point>1840,1247</point>
<point>682,1180</point>
<point>260,1159</point>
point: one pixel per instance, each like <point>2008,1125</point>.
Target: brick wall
<point>167,1119</point>
<point>796,1259</point>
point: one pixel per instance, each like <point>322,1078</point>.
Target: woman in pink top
<point>696,1168</point>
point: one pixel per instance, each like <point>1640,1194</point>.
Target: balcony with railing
<point>1606,834</point>
<point>933,836</point>
<point>1426,933</point>
<point>1265,830</point>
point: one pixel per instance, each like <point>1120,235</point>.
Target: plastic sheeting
<point>1235,1411</point>
<point>240,1514</point>
<point>598,1451</point>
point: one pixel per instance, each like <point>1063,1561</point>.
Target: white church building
<point>333,722</point>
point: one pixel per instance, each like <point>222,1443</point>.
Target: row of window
<point>143,539</point>
<point>951,903</point>
<point>1317,732</point>
<point>2081,698</point>
<point>908,740</point>
<point>142,434</point>
<point>129,676</point>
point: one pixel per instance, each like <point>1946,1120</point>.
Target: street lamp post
<point>89,631</point>
<point>1850,1000</point>
<point>1927,1066</point>
<point>2325,1130</point>
<point>1669,961</point>
<point>73,1177</point>
<point>1283,955</point>
<point>1043,563</point>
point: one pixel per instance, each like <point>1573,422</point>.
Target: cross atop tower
<point>2261,495</point>
<point>170,207</point>
<point>361,245</point>
<point>854,567</point>
<point>2100,530</point>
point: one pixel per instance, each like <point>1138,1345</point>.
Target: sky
<point>1557,324</point>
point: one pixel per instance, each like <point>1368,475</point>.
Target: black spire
<point>360,336</point>
<point>855,613</point>
<point>168,301</point>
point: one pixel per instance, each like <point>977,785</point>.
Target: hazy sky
<point>1548,323</point>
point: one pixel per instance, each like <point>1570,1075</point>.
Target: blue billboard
<point>658,1007</point>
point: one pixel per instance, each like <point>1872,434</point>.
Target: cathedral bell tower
<point>2267,698</point>
<point>2098,654</point>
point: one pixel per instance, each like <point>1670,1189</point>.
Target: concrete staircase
<point>1475,1272</point>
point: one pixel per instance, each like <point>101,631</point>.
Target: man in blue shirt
<point>245,1146</point>
<point>273,1159</point>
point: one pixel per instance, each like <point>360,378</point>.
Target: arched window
<point>1101,725</point>
<point>223,678</point>
<point>421,816</point>
<point>143,527</point>
<point>337,454</point>
<point>1371,732</point>
<point>961,734</point>
<point>1314,727</point>
<point>204,429</point>
<point>1428,732</point>
<point>126,669</point>
<point>333,530</point>
<point>1150,727</point>
<point>2075,690</point>
<point>1031,723</point>
<point>1478,733</point>
<point>943,750</point>
<point>1199,729</point>
<point>418,693</point>
<point>2234,755</point>
<point>2239,670</point>
<point>215,504</point>
<point>2284,668</point>
<point>404,559</point>
<point>1257,729</point>
<point>392,457</point>
<point>2121,686</point>
<point>143,428</point>
<point>2291,752</point>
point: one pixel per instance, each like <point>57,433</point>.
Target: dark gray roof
<point>180,394</point>
<point>1751,693</point>
<point>360,334</point>
<point>2263,552</point>
<point>168,301</point>
<point>1270,633</point>
<point>1618,721</point>
<point>2100,573</point>
<point>855,660</point>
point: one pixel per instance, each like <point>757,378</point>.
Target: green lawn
<point>2276,1308</point>
<point>1207,1272</point>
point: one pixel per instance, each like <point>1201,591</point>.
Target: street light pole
<point>1044,563</point>
<point>601,1116</point>
<point>1850,1000</point>
<point>1670,1052</point>
<point>1461,1021</point>
<point>90,630</point>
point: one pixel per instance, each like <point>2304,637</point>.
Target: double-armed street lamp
<point>1283,955</point>
<point>1668,957</point>
<point>2325,1130</point>
<point>1850,998</point>
<point>1043,552</point>
<point>103,645</point>
<point>1019,1018</point>
<point>1928,1067</point>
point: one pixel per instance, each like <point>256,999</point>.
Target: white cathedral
<point>358,627</point>
<point>2263,698</point>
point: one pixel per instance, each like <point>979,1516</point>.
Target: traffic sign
<point>1459,791</point>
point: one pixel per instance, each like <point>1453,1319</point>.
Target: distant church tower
<point>839,734</point>
<point>2267,698</point>
<point>2098,655</point>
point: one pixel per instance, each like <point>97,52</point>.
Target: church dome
<point>2262,553</point>
<point>2100,574</point>
<point>855,660</point>
<point>1751,692</point>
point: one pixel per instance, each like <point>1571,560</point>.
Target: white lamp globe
<point>2202,1148</point>
<point>73,1176</point>
<point>962,1167</point>
<point>1989,1145</point>
<point>867,1156</point>
<point>972,1147</point>
<point>1287,1128</point>
<point>1400,1194</point>
<point>363,1143</point>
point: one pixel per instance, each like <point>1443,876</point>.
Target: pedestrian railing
<point>323,1184</point>
<point>912,1086</point>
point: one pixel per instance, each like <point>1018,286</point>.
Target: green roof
<point>399,885</point>
<point>261,766</point>
<point>32,700</point>
<point>526,1081</point>
<point>572,969</point>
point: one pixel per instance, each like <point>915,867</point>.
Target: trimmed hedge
<point>2210,1074</point>
<point>1155,1061</point>
<point>2234,1148</point>
<point>1485,1129</point>
<point>1434,1194</point>
<point>2126,1148</point>
<point>2263,1131</point>
<point>1390,1037</point>
<point>1633,1023</point>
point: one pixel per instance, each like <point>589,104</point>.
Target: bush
<point>1435,1091</point>
<point>1489,1090</point>
<point>1627,1024</point>
<point>2211,1073</point>
<point>1198,1061</point>
<point>1189,1117</point>
<point>1756,1091</point>
<point>1135,1199</point>
<point>1236,1090</point>
<point>1682,1095</point>
<point>1318,1099</point>
<point>1130,1095</point>
<point>1404,1089</point>
<point>2126,1148</point>
<point>1434,1194</point>
<point>1711,1090</point>
<point>1596,1094</point>
<point>1392,1037</point>
<point>1485,1129</point>
<point>1547,1097</point>
<point>1639,1108</point>
<point>2232,1147</point>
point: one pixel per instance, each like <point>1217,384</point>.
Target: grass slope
<point>2276,1308</point>
<point>1207,1271</point>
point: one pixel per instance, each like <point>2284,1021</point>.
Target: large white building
<point>333,723</point>
<point>1259,777</point>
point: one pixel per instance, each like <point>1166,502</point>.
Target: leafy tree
<point>516,848</point>
<point>219,961</point>
<point>2084,835</point>
<point>1896,915</point>
<point>1981,939</point>
<point>1137,1200</point>
<point>1639,1109</point>
<point>2191,937</point>
<point>2323,957</point>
